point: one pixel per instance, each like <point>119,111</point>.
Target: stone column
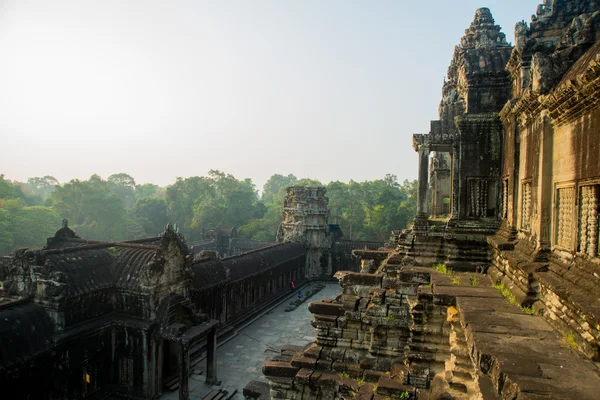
<point>147,367</point>
<point>211,358</point>
<point>455,181</point>
<point>545,191</point>
<point>184,371</point>
<point>423,181</point>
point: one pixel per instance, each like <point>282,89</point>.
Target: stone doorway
<point>171,354</point>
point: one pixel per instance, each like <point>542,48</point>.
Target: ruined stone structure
<point>305,216</point>
<point>519,316</point>
<point>88,319</point>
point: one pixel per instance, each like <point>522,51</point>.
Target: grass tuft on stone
<point>443,269</point>
<point>570,340</point>
<point>455,280</point>
<point>507,294</point>
<point>473,281</point>
<point>344,375</point>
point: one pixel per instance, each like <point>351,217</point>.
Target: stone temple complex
<point>492,293</point>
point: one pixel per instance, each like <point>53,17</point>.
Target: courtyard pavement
<point>240,359</point>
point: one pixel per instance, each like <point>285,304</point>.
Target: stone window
<point>478,198</point>
<point>526,207</point>
<point>564,205</point>
<point>588,220</point>
<point>505,199</point>
<point>126,371</point>
<point>89,379</point>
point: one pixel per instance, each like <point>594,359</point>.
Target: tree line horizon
<point>118,209</point>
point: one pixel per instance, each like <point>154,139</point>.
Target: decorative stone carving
<point>526,207</point>
<point>565,201</point>
<point>478,198</point>
<point>588,221</point>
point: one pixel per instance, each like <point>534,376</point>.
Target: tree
<point>7,191</point>
<point>92,209</point>
<point>148,190</point>
<point>31,226</point>
<point>123,186</point>
<point>43,186</point>
<point>274,184</point>
<point>6,238</point>
<point>151,214</point>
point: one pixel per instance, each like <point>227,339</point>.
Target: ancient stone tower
<point>305,216</point>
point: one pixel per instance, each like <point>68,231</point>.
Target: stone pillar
<point>147,366</point>
<point>184,371</point>
<point>455,181</point>
<point>545,191</point>
<point>423,181</point>
<point>211,358</point>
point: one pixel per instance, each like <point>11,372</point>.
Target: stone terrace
<point>413,332</point>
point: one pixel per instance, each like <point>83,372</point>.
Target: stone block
<point>350,334</point>
<point>354,278</point>
<point>313,351</point>
<point>279,369</point>
<point>355,316</point>
<point>357,290</point>
<point>300,361</point>
<point>326,308</point>
<point>324,321</point>
<point>376,310</point>
<point>363,303</point>
<point>324,365</point>
<point>326,341</point>
<point>415,277</point>
<point>303,376</point>
<point>337,354</point>
<point>350,302</point>
<point>377,296</point>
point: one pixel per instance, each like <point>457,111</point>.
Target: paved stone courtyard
<point>240,359</point>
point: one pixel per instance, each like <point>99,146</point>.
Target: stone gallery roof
<point>90,266</point>
<point>209,273</point>
<point>24,330</point>
<point>258,261</point>
<point>212,272</point>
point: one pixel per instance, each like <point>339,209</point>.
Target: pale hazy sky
<point>326,89</point>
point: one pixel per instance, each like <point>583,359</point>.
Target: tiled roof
<point>207,274</point>
<point>261,260</point>
<point>128,265</point>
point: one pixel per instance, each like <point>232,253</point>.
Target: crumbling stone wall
<point>305,215</point>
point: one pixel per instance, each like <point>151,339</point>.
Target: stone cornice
<point>568,101</point>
